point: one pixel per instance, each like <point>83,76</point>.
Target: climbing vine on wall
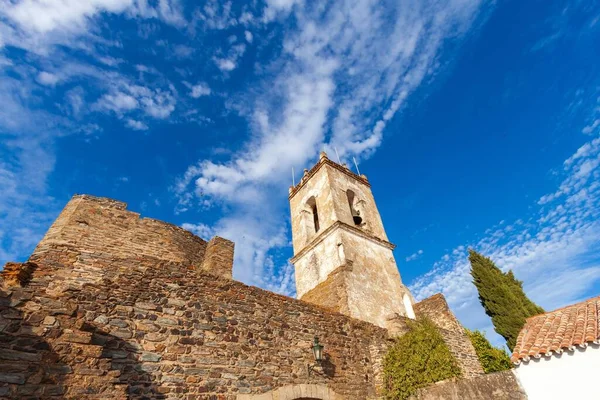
<point>417,359</point>
<point>492,359</point>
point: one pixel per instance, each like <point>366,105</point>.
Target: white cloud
<point>591,127</point>
<point>136,125</point>
<point>47,78</point>
<point>335,68</point>
<point>216,15</point>
<point>253,262</point>
<point>225,64</point>
<point>414,256</point>
<point>43,17</point>
<point>554,252</point>
<point>280,8</point>
<point>581,165</point>
<point>182,51</point>
<point>110,61</point>
<point>76,101</point>
<point>248,36</point>
<point>202,230</point>
<point>118,102</point>
<point>58,38</point>
<point>198,90</point>
<point>26,160</point>
<point>155,103</point>
<point>229,63</point>
<point>346,47</point>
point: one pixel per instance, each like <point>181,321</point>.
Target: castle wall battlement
<point>111,306</point>
<point>101,228</point>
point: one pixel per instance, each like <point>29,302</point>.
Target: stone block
<point>150,357</point>
<point>18,379</point>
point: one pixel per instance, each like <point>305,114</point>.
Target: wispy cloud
<point>198,90</point>
<point>26,159</point>
<point>230,61</point>
<point>554,252</point>
<point>335,68</point>
<point>136,125</point>
<point>156,103</point>
<point>66,66</point>
<point>414,256</point>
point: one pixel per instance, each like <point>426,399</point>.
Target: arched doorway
<point>295,392</point>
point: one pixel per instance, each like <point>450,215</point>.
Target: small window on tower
<point>356,217</point>
<point>312,203</point>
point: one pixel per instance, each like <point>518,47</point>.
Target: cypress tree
<point>502,297</point>
<point>517,286</point>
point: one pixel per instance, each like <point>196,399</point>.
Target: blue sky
<point>477,123</point>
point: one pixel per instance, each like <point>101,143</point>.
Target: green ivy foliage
<point>417,359</point>
<point>492,359</point>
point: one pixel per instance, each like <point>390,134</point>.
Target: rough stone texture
<point>332,293</point>
<point>218,259</point>
<point>354,261</point>
<point>97,322</point>
<point>99,311</point>
<point>497,386</point>
<point>99,228</point>
<point>436,308</point>
<point>292,392</point>
<point>17,274</point>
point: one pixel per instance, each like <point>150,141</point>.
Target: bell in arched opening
<point>356,217</point>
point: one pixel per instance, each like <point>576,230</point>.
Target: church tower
<point>342,256</point>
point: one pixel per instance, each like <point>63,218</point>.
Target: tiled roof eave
<point>550,354</point>
<point>551,333</point>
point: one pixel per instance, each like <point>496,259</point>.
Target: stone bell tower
<point>342,256</point>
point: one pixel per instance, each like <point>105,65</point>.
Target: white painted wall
<point>570,375</point>
<point>410,313</point>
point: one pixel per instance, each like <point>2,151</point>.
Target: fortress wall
<point>113,306</point>
<point>218,258</point>
<point>103,228</point>
<point>497,386</point>
<point>436,308</point>
<point>152,328</point>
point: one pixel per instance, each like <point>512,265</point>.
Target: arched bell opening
<point>312,205</point>
<point>352,200</point>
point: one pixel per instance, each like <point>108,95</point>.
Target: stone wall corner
<point>218,258</point>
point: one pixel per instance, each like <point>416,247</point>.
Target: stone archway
<point>295,392</point>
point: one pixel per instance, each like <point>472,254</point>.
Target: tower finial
<point>323,155</point>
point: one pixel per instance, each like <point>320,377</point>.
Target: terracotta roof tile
<point>558,330</point>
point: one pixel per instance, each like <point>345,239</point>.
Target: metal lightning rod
<point>356,165</point>
<point>293,180</point>
<point>338,156</point>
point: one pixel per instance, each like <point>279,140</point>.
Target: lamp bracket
<point>317,367</point>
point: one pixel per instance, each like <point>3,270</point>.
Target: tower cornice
<point>343,226</point>
<point>326,161</point>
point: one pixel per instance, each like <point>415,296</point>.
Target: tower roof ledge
<point>324,160</point>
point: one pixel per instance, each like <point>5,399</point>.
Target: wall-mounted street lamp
<point>317,350</point>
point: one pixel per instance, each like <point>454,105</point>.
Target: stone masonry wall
<point>113,306</point>
<point>94,227</point>
<point>147,328</point>
<point>218,258</point>
<point>497,386</point>
<point>436,308</point>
